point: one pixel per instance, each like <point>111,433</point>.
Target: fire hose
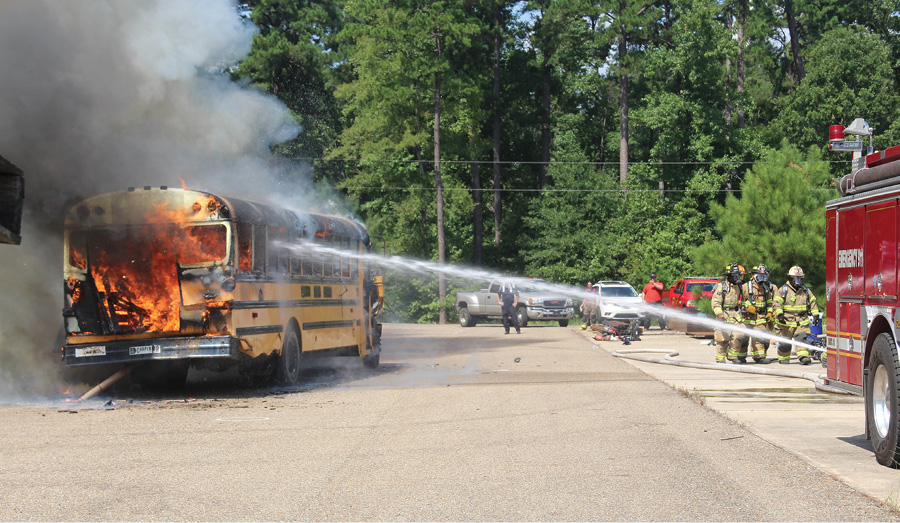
<point>105,384</point>
<point>817,379</point>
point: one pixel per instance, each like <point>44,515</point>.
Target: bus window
<point>259,249</point>
<point>336,261</point>
<point>327,260</point>
<point>278,259</point>
<point>312,262</point>
<point>200,243</point>
<point>326,292</point>
<point>77,250</point>
<point>347,261</point>
<point>304,291</point>
<point>295,260</point>
<point>317,292</point>
<point>245,241</point>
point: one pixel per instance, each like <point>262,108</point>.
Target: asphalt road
<point>457,424</point>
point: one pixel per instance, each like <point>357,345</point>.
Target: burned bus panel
<point>12,200</point>
<point>174,274</point>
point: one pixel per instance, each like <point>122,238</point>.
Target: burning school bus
<point>176,278</point>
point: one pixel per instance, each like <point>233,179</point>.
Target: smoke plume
<point>102,95</point>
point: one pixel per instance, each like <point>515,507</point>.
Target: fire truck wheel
<point>881,392</point>
<point>522,316</point>
<point>288,372</point>
<point>465,318</point>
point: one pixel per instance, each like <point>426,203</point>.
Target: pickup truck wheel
<point>563,323</point>
<point>466,319</point>
<point>881,401</point>
<point>522,316</point>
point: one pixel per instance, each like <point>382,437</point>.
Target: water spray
<point>421,267</point>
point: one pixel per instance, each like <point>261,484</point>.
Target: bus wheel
<point>522,316</point>
<point>373,358</point>
<point>881,393</point>
<point>288,372</point>
<point>465,318</point>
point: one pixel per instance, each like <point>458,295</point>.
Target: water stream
<point>471,274</point>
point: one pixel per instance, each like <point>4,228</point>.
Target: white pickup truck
<point>534,304</point>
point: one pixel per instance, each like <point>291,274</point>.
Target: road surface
<point>457,424</point>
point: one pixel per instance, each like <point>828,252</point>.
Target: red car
<point>686,291</point>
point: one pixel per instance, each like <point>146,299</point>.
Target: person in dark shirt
<point>508,298</point>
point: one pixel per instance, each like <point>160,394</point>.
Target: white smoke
<point>98,96</point>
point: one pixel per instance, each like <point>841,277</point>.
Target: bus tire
<point>373,358</point>
<point>563,323</point>
<point>522,316</point>
<point>465,318</point>
<point>288,371</point>
<point>881,394</point>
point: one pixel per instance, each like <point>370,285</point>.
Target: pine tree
<point>778,220</point>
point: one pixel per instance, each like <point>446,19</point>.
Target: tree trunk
<point>795,39</point>
<point>623,103</point>
<point>545,126</point>
<point>728,25</point>
<point>477,218</point>
<point>442,281</point>
<point>498,205</point>
<point>742,19</point>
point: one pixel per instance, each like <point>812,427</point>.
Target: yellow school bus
<point>174,278</point>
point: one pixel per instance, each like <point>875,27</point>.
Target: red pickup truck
<point>686,291</point>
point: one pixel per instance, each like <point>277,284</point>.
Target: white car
<point>620,295</point>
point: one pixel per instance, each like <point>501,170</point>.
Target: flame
<point>135,270</point>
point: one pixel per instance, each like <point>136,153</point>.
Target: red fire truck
<point>863,307</point>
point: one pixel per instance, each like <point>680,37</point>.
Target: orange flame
<point>136,270</point>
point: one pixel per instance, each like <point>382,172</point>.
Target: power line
<point>469,189</point>
<point>552,162</point>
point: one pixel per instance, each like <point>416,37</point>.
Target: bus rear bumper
<point>126,351</point>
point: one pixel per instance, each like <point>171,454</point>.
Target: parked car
<point>622,294</point>
<point>684,296</point>
<point>687,291</point>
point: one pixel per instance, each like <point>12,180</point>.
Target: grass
<point>692,394</point>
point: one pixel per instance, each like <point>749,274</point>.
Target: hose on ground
<point>817,379</point>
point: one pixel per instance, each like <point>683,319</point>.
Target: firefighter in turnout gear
<point>757,307</point>
<point>795,309</point>
<point>726,304</point>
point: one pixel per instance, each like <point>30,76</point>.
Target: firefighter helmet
<point>760,272</point>
<point>735,272</point>
<point>796,271</point>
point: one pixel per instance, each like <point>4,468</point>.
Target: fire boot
<point>804,360</point>
<point>763,361</point>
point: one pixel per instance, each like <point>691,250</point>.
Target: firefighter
<point>795,309</point>
<point>587,306</point>
<point>757,307</point>
<point>726,304</point>
<point>508,298</point>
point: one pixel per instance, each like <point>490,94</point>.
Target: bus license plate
<point>144,349</point>
<point>90,351</point>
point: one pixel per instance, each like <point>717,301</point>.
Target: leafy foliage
<point>718,117</point>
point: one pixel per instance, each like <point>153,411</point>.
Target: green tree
<point>297,58</point>
<point>848,76</point>
<point>778,220</point>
